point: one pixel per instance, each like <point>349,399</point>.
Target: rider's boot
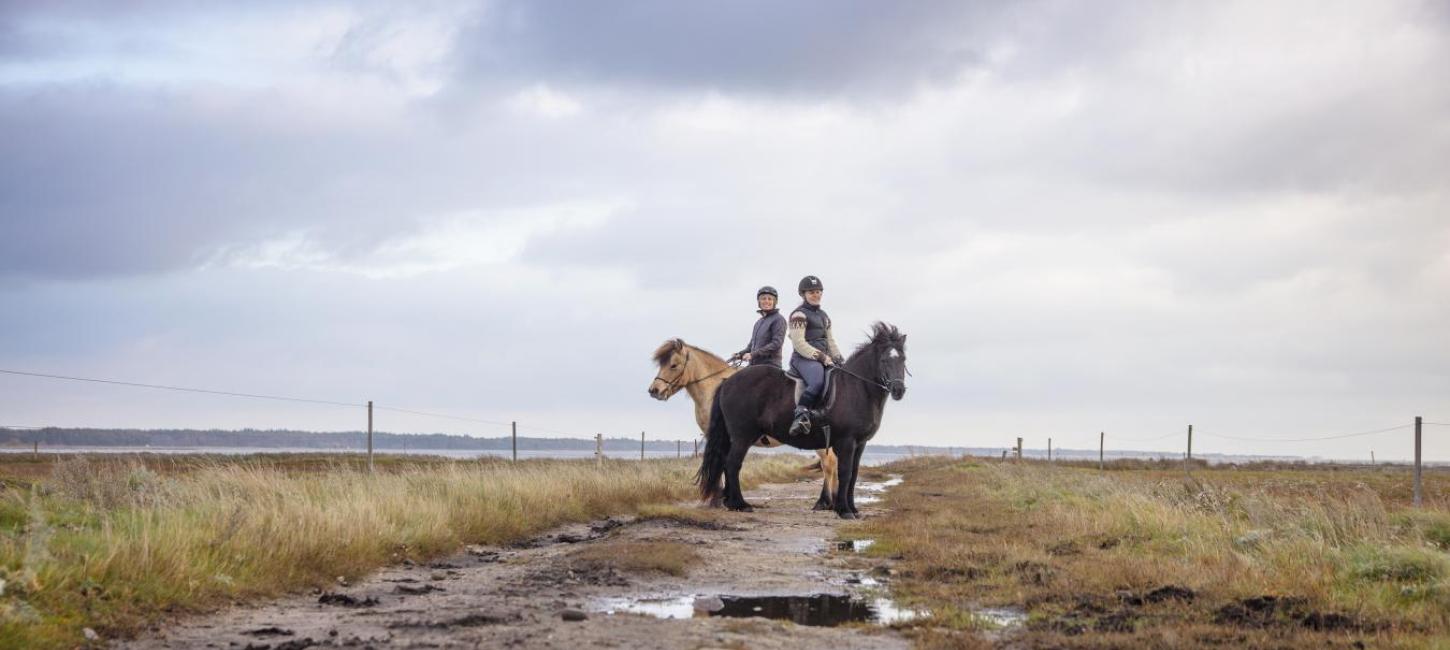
<point>802,424</point>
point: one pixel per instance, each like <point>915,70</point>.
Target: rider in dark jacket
<point>815,350</point>
<point>769,333</point>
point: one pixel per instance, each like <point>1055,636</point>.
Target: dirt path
<point>521,596</point>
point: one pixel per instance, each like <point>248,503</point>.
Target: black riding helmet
<point>767,291</point>
<point>810,283</point>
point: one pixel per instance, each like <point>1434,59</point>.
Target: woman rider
<point>769,332</point>
<point>815,350</point>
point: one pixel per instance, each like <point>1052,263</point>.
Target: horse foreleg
<point>828,480</point>
<point>855,469</point>
<point>734,498</point>
<point>845,448</point>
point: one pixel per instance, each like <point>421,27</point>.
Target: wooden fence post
<point>1100,451</point>
<point>1189,457</point>
<point>641,445</point>
<point>1417,462</point>
<point>514,428</point>
<point>1019,450</point>
<point>370,436</point>
<point>1049,450</point>
<point>679,449</point>
<point>696,452</point>
<point>599,449</point>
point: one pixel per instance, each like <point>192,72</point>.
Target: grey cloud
<point>816,46</point>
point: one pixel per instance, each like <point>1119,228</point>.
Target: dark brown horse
<point>759,401</point>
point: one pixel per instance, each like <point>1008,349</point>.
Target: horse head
<point>886,351</point>
<point>671,358</point>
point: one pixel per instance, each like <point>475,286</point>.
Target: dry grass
<point>115,544</point>
<point>1082,551</point>
<point>696,517</point>
<point>673,558</point>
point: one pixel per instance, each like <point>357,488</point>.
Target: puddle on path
<point>1001,617</point>
<point>854,545</point>
<point>871,492</point>
<point>820,610</point>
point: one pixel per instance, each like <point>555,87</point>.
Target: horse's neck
<point>706,373</point>
<point>868,393</point>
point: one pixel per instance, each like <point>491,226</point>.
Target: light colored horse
<point>699,372</point>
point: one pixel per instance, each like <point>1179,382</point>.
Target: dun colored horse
<point>759,402</point>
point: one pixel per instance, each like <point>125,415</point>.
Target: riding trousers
<point>814,374</point>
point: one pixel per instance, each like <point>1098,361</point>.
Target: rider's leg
<point>814,374</point>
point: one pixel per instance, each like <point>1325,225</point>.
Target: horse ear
<point>679,344</point>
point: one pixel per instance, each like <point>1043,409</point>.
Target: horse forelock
<point>667,349</point>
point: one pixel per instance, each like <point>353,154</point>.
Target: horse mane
<point>671,346</point>
<point>881,334</point>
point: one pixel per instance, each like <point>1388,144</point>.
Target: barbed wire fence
<point>1418,426</point>
<point>369,407</point>
<point>514,426</point>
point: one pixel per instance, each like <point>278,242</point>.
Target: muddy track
<point>533,596</point>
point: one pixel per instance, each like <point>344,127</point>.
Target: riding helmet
<point>810,283</point>
<point>767,291</point>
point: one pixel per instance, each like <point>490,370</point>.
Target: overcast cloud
<point>1122,218</point>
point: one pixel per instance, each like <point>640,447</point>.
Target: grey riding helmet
<point>810,283</point>
<point>767,291</point>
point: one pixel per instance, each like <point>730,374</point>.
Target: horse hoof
<point>821,505</point>
<point>848,515</point>
<point>743,507</point>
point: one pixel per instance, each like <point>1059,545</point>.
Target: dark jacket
<point>766,339</point>
<point>817,324</point>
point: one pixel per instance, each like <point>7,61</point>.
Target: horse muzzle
<point>897,388</point>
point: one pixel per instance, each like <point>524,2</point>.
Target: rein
<point>673,383</point>
<point>874,382</point>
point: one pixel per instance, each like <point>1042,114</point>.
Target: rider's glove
<point>838,359</point>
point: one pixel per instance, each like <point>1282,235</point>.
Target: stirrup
<point>802,424</point>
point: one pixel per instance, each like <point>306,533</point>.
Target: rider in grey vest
<point>768,334</point>
<point>815,350</point>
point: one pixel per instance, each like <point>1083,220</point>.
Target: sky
<point>1116,217</point>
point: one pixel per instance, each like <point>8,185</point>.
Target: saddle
<point>828,393</point>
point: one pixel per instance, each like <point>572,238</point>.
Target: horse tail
<point>712,462</point>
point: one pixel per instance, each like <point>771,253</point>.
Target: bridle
<point>883,383</point>
<point>675,384</point>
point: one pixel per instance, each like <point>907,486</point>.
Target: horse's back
<point>760,395</point>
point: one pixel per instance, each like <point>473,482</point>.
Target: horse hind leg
<point>828,481</point>
<point>734,498</point>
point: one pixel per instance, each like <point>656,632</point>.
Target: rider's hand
<point>827,361</point>
<point>838,360</point>
<point>745,357</point>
